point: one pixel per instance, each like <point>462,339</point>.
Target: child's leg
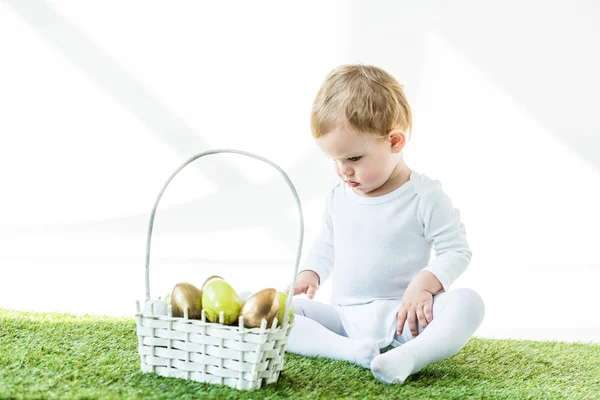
<point>456,316</point>
<point>318,331</point>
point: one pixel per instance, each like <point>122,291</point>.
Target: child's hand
<point>306,282</point>
<point>417,305</point>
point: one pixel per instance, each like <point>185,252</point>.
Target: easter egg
<point>155,307</point>
<point>217,296</point>
<point>210,278</point>
<point>186,295</point>
<point>282,302</point>
<point>244,296</point>
<point>261,305</point>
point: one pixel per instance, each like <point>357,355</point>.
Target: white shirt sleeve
<point>443,228</point>
<point>321,257</point>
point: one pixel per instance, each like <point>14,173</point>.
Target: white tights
<point>318,331</point>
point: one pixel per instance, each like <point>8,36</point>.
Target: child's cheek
<point>367,176</point>
<point>372,176</point>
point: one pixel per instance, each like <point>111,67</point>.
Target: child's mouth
<point>352,183</point>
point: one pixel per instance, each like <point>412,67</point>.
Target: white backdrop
<point>100,102</point>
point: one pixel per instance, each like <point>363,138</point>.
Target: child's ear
<point>397,138</point>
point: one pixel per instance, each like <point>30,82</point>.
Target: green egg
<point>217,296</point>
<point>282,302</point>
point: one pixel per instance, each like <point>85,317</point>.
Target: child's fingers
<point>401,321</point>
<point>427,309</point>
<point>412,323</point>
<point>311,291</point>
<point>298,290</point>
<point>422,320</point>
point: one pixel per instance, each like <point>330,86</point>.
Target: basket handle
<point>244,153</point>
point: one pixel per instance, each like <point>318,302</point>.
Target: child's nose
<point>346,170</point>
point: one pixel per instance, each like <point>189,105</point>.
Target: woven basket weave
<point>199,350</point>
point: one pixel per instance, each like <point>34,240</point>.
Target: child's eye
<point>354,159</point>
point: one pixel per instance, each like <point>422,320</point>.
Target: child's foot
<point>367,351</point>
<point>393,367</point>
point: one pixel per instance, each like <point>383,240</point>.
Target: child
<point>380,223</point>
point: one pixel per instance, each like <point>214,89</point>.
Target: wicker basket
<point>199,350</point>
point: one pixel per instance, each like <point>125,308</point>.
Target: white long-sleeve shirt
<point>376,245</point>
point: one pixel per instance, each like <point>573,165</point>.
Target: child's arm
<point>426,280</point>
<point>443,228</point>
<point>319,262</point>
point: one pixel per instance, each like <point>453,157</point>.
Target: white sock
<point>394,366</point>
<point>309,338</point>
<point>456,316</point>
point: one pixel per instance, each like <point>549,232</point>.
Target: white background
<point>101,101</point>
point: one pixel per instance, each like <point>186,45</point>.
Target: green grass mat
<point>66,356</point>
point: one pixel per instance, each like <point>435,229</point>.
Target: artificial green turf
<point>66,356</point>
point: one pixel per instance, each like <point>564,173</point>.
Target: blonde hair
<point>367,97</point>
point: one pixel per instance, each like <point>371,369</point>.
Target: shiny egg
<point>186,295</point>
<point>261,305</point>
<point>218,296</point>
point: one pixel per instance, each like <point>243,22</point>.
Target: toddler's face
<point>363,161</point>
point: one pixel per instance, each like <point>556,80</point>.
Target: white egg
<point>244,296</point>
<point>155,307</point>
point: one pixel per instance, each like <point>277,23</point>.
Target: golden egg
<point>186,295</point>
<point>261,305</point>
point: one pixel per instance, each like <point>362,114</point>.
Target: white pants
<point>456,316</point>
